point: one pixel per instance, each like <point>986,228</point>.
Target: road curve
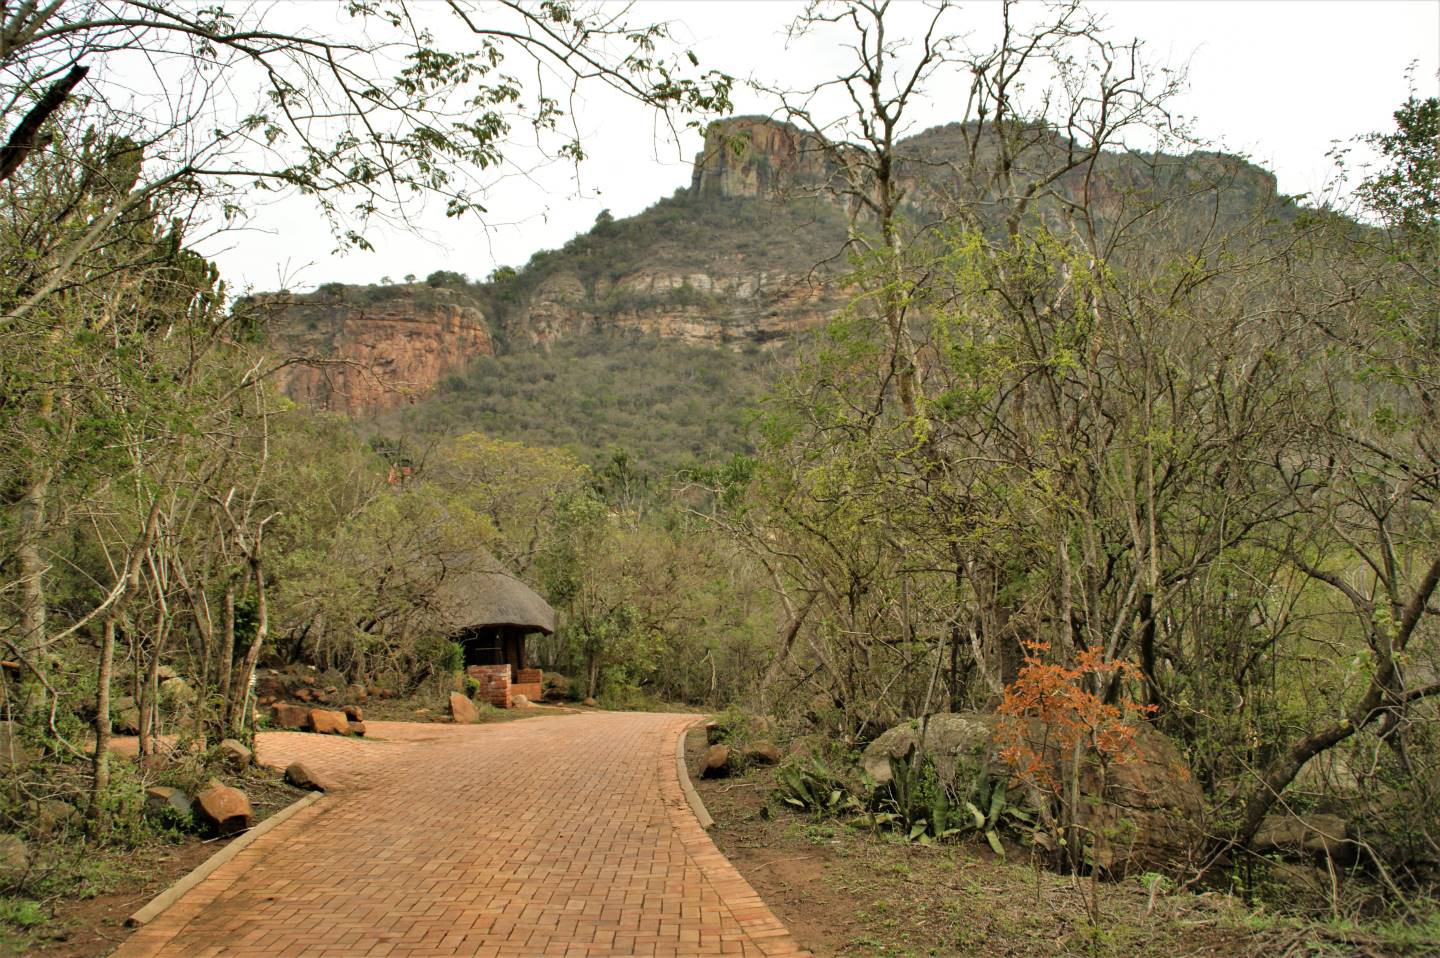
<point>563,835</point>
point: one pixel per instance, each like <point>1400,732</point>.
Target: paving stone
<point>443,841</point>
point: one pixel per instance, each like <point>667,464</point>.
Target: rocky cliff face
<point>757,157</point>
<point>704,307</point>
<point>371,357</point>
<point>748,255</point>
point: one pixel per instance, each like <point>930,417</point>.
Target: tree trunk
<point>30,525</point>
<point>1378,698</point>
<point>236,717</point>
<point>225,667</point>
<point>100,761</point>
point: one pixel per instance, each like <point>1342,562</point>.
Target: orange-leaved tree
<point>1056,722</point>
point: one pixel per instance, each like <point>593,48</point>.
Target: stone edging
<point>202,871</point>
<point>682,771</point>
<point>757,922</point>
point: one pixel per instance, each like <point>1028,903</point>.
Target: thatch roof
<point>490,595</point>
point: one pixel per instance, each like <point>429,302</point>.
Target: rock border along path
<point>565,836</point>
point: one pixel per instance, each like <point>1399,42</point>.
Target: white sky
<point>1279,80</point>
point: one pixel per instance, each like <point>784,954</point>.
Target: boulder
<point>354,713</point>
<point>356,728</point>
<point>589,702</point>
<point>165,673</point>
<point>14,754</point>
<point>956,742</point>
<point>124,716</point>
<point>1314,836</point>
<point>326,722</point>
<point>284,715</point>
<point>519,701</point>
<point>717,762</point>
<point>556,687</point>
<point>162,801</point>
<point>763,753</point>
<point>714,733</point>
<point>223,809</point>
<point>235,754</point>
<point>462,709</point>
<point>1144,813</point>
<point>153,764</point>
<point>356,692</point>
<point>299,775</point>
<point>175,692</point>
<point>53,816</point>
<point>14,857</point>
<point>305,695</point>
<point>1148,814</point>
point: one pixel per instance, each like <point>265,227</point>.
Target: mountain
<point>743,258</point>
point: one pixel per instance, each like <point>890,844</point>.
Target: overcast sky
<point>1279,80</point>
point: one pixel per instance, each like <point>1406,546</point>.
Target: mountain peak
<point>755,156</point>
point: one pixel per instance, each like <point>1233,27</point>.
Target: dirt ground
<point>843,891</point>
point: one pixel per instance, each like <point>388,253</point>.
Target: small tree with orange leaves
<point>1056,722</point>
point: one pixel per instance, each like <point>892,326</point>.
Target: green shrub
<point>21,912</point>
<point>811,786</point>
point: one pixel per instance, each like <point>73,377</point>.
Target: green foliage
<point>811,786</point>
<point>22,912</point>
<point>441,657</point>
<point>667,405</point>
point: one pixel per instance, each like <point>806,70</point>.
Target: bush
<point>21,912</point>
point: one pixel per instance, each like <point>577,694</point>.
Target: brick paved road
<point>564,836</point>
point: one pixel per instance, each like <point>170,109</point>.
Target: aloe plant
<point>812,787</point>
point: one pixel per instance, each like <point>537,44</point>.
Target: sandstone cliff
<point>750,253</point>
<point>376,356</point>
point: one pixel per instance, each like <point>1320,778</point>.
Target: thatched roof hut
<point>490,613</point>
<point>490,596</point>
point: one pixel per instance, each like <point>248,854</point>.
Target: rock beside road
<point>223,809</point>
<point>1144,812</point>
<point>293,717</point>
<point>763,753</point>
<point>235,754</point>
<point>462,710</point>
<point>14,856</point>
<point>162,801</point>
<point>717,762</point>
<point>299,775</point>
<point>326,722</point>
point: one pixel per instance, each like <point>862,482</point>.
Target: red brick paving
<point>558,836</point>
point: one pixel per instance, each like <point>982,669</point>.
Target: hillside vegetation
<point>667,404</point>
